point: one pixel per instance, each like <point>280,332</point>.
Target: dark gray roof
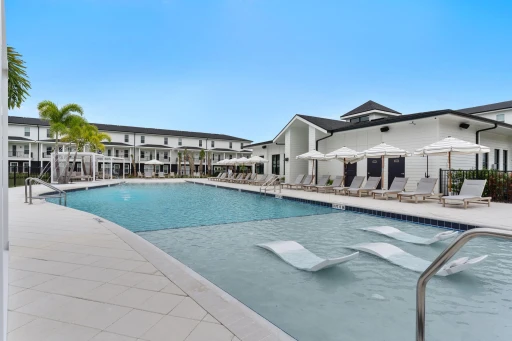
<point>117,144</point>
<point>128,129</point>
<point>325,123</point>
<point>154,146</point>
<point>487,107</point>
<point>368,106</point>
<point>186,147</point>
<point>48,140</point>
<point>223,150</point>
<point>258,144</point>
<point>17,138</point>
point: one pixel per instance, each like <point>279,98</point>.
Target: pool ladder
<point>28,191</point>
<point>441,260</point>
<point>271,185</point>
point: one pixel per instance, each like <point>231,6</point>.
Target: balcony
<point>18,155</point>
<point>152,157</point>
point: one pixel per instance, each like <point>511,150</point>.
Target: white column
<point>123,168</point>
<point>111,168</point>
<point>139,159</point>
<point>29,153</point>
<point>103,170</point>
<point>93,165</point>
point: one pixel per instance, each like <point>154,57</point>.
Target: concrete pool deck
<point>74,277</point>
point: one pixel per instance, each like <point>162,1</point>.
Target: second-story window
<point>27,131</point>
<point>230,145</point>
<point>200,143</point>
<point>213,144</point>
<point>143,139</point>
<point>48,134</point>
<point>241,145</point>
<point>179,142</point>
<point>126,138</point>
<point>166,140</point>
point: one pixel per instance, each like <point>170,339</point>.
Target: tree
<point>60,119</point>
<point>201,157</point>
<point>18,83</point>
<point>179,163</point>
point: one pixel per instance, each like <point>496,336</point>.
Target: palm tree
<point>18,83</point>
<point>201,157</point>
<point>60,120</point>
<point>185,159</point>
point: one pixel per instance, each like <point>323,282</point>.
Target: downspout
<point>316,161</point>
<point>478,141</point>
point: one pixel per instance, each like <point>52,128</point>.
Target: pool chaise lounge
<point>258,178</point>
<point>424,190</point>
<point>356,183</point>
<point>297,181</point>
<point>219,177</point>
<point>262,180</point>
<point>338,180</point>
<point>321,182</point>
<point>215,177</point>
<point>471,191</point>
<point>392,232</point>
<point>405,260</point>
<point>247,180</point>
<point>301,258</point>
<point>236,178</point>
<point>397,186</point>
<point>308,180</point>
<point>370,185</point>
<point>243,178</point>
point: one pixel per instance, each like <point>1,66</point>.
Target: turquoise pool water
<point>366,299</point>
<point>147,207</point>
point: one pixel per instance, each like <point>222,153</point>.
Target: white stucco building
<point>372,123</point>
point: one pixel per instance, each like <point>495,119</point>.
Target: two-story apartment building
<point>31,145</point>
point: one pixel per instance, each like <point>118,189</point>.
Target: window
<point>26,149</point>
<point>158,155</point>
<point>25,167</point>
<point>127,138</point>
<point>79,167</point>
<point>230,145</point>
<point>27,131</point>
<point>213,144</point>
<point>117,153</point>
<point>143,139</point>
<point>126,168</point>
<point>109,152</point>
<point>200,143</point>
<point>497,158</point>
<point>505,160</point>
<point>230,157</point>
<point>500,117</point>
<point>126,153</point>
<point>142,154</point>
<point>485,161</point>
<point>13,167</point>
<point>241,145</point>
<point>48,150</point>
<point>179,142</point>
<point>166,155</point>
<point>360,119</point>
<point>166,140</point>
<point>276,164</point>
<point>48,134</point>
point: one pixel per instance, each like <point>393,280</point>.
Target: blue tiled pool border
<point>378,213</point>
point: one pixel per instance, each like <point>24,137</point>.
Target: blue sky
<point>245,67</point>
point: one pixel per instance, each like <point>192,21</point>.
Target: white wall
<point>271,149</point>
<point>297,142</point>
<point>492,115</point>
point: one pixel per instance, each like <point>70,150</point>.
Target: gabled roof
<point>324,123</point>
<point>370,106</point>
<point>487,107</point>
<point>129,129</point>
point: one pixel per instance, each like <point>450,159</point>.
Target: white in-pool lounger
<point>395,233</point>
<point>297,256</point>
<point>405,260</point>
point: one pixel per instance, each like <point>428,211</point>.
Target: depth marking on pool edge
<point>338,207</point>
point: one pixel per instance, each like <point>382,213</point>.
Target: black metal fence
<point>17,175</point>
<point>498,186</point>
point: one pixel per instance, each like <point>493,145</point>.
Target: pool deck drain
<point>74,277</point>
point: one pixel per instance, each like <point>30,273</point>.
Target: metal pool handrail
<point>441,260</point>
<point>29,197</point>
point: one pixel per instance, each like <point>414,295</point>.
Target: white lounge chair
<point>262,180</point>
<point>396,187</point>
<point>330,188</point>
<point>238,177</point>
<point>392,232</point>
<point>298,180</point>
<point>270,180</point>
<point>171,174</point>
<point>243,178</point>
<point>139,175</point>
<point>258,178</point>
<point>301,258</point>
<point>405,260</point>
<point>213,178</point>
<point>471,191</point>
<point>321,182</point>
<point>356,183</point>
<point>161,175</point>
<point>424,190</point>
<point>308,180</point>
<point>370,185</point>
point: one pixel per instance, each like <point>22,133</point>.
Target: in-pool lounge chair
<point>356,183</point>
<point>370,185</point>
<point>321,182</point>
<point>424,190</point>
<point>397,186</point>
<point>326,189</point>
<point>308,180</point>
<point>297,181</point>
<point>471,191</point>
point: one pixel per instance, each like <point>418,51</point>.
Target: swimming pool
<point>365,299</point>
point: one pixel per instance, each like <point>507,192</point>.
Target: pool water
<point>366,299</point>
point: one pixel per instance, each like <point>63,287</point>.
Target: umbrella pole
<point>344,171</point>
<point>382,172</point>
<point>449,173</point>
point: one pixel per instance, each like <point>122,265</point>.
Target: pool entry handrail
<point>271,185</point>
<point>28,191</point>
<point>441,260</point>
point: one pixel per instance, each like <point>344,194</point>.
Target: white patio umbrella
<point>241,161</point>
<point>344,155</point>
<point>154,163</point>
<point>256,160</point>
<point>383,151</point>
<point>449,146</point>
<point>315,156</point>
